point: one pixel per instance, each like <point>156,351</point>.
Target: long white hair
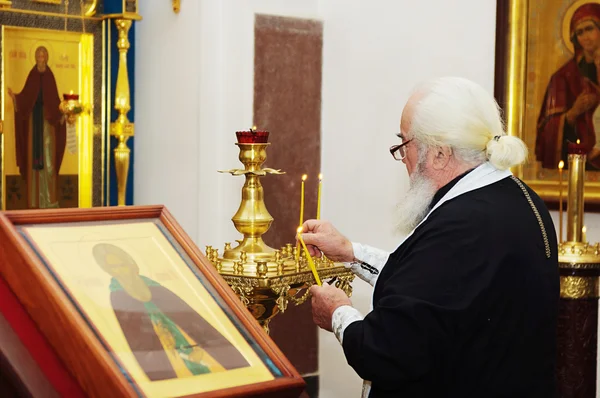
<point>460,114</point>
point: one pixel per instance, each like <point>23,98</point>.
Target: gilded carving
<point>578,287</point>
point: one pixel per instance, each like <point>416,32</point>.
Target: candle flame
<point>583,229</point>
<point>71,92</point>
<point>578,142</point>
<point>561,164</point>
<point>320,176</point>
<point>253,127</point>
<point>299,230</point>
<point>304,177</point>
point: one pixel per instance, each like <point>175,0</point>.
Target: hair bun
<point>506,151</point>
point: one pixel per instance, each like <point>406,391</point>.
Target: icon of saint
<point>168,338</point>
<point>40,133</point>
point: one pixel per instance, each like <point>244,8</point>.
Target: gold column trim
<point>132,16</point>
<point>92,8</point>
<point>515,71</point>
<point>176,6</point>
<point>578,287</point>
<point>122,128</point>
<point>4,7</point>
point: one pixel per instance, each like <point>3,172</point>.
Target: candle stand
<point>579,269</point>
<point>266,279</point>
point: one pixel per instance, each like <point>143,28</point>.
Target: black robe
<point>467,306</point>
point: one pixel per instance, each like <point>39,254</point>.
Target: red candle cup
<point>576,149</point>
<point>71,97</point>
<point>252,137</point>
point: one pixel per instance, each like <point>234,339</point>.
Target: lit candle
<point>319,198</point>
<point>561,164</point>
<point>576,149</point>
<point>583,237</point>
<point>298,248</point>
<point>311,263</point>
<point>304,177</point>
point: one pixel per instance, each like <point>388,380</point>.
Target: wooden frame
<point>50,296</point>
<point>533,44</point>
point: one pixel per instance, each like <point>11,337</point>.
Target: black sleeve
<point>413,321</point>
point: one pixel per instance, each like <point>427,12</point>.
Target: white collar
<point>483,175</point>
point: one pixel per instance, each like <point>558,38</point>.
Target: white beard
<point>413,207</point>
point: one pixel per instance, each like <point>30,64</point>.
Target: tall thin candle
<point>319,197</point>
<point>304,177</point>
<point>311,263</point>
<point>561,164</point>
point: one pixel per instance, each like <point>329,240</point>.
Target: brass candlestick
<point>265,278</point>
<point>575,198</point>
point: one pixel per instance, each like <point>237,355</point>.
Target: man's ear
<point>442,157</point>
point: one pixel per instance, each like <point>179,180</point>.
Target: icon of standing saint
<point>40,133</point>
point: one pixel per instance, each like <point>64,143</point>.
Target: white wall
<point>194,89</point>
<point>166,95</point>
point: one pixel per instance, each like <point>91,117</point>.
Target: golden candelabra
<point>266,279</point>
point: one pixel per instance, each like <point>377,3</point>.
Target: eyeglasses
<point>399,151</point>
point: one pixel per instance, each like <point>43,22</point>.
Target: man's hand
<point>321,236</point>
<point>325,300</point>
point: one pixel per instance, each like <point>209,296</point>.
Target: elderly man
<point>466,306</point>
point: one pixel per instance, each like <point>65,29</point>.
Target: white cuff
<point>371,255</point>
<point>342,317</point>
<point>370,262</point>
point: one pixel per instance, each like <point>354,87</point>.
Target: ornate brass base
<point>267,286</point>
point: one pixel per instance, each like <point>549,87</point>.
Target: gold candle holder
<point>561,164</point>
<point>266,279</point>
<point>575,201</point>
<point>70,107</point>
<point>252,218</point>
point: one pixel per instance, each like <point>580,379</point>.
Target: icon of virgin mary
<point>570,109</point>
